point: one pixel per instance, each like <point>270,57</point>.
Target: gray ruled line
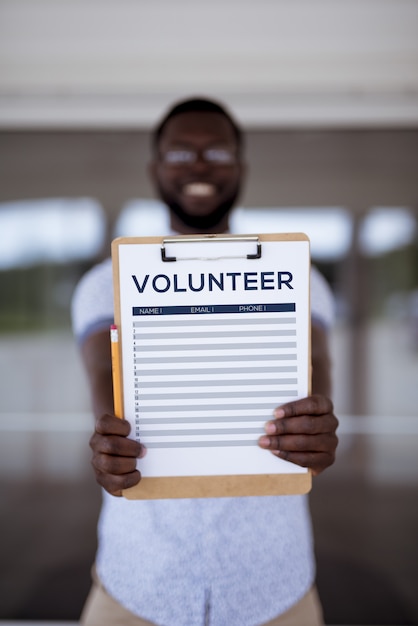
<point>210,346</point>
<point>143,419</point>
<point>204,321</point>
<point>216,335</point>
<point>203,431</point>
<point>140,359</point>
<point>178,371</point>
<point>202,444</point>
<point>216,383</point>
<point>229,407</point>
<point>209,394</point>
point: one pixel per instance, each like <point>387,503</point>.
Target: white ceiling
<point>277,63</point>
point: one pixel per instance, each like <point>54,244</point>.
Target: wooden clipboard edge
<point>159,240</point>
<point>175,487</point>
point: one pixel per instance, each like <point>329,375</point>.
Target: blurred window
<point>52,230</point>
<point>45,246</point>
<point>385,229</point>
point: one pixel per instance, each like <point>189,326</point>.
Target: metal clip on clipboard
<point>211,238</point>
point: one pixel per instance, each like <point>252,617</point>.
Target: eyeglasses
<point>213,156</point>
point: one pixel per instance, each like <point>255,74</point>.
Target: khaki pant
<point>102,610</point>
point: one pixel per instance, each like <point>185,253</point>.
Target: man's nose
<point>200,164</point>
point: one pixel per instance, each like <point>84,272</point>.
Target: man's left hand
<point>303,432</point>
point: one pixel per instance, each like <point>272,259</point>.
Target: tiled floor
<point>365,521</point>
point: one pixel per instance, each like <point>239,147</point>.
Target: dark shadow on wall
<point>58,595</point>
<point>47,549</point>
<point>353,594</point>
<point>366,549</point>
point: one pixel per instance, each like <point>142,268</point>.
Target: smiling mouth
<point>199,190</point>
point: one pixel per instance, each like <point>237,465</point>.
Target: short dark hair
<point>196,105</point>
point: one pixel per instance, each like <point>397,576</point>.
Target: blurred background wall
<point>327,92</point>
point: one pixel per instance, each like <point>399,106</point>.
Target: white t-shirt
<point>231,561</point>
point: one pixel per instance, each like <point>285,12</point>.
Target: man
<point>218,562</point>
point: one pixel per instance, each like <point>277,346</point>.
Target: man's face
<point>197,171</point>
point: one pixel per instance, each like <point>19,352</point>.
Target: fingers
<point>304,432</point>
<point>317,462</point>
<point>311,405</point>
<point>302,425</point>
<point>316,452</point>
<point>109,441</point>
<point>114,455</point>
<point>114,484</point>
<point>111,425</point>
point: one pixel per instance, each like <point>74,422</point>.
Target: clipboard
<point>214,333</point>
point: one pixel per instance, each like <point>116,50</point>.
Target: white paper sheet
<point>211,344</point>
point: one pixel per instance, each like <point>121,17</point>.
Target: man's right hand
<point>114,455</point>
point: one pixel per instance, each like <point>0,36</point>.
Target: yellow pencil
<point>116,371</point>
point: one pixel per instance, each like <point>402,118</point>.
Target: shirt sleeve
<point>322,300</point>
<point>92,307</point>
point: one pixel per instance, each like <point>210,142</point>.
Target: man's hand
<point>114,455</point>
<point>303,432</point>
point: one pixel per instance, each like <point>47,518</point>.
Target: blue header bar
<point>288,307</point>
